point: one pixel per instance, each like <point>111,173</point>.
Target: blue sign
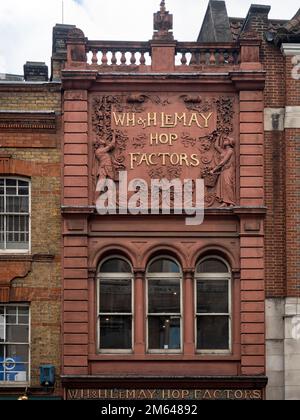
<point>13,370</point>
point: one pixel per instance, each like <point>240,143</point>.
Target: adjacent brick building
<point>120,304</point>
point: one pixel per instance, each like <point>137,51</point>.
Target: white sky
<point>26,25</point>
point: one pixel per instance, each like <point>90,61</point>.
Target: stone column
<point>139,312</point>
<point>189,312</point>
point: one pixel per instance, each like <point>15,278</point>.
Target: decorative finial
<point>163,24</point>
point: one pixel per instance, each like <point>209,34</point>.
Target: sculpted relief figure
<point>225,188</point>
<point>106,164</point>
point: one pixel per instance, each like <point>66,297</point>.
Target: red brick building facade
<point>151,306</point>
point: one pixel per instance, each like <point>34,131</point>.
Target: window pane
<point>212,296</point>
<point>13,372</point>
<point>18,353</point>
<point>11,315</point>
<point>164,266</point>
<point>164,296</point>
<point>2,209</point>
<point>115,265</point>
<point>164,333</point>
<point>116,332</point>
<point>213,333</point>
<point>2,232</point>
<point>11,182</point>
<point>17,334</point>
<point>212,266</point>
<point>2,325</point>
<point>115,296</point>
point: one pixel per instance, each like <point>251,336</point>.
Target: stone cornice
<point>14,121</point>
<point>290,49</point>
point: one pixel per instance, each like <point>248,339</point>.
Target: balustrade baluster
<point>133,58</point>
<point>123,58</point>
<point>183,59</point>
<point>104,58</point>
<point>143,59</point>
<point>95,57</point>
<point>221,57</point>
<point>193,59</point>
<point>113,58</point>
<point>212,58</point>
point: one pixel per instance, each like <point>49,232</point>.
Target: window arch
<point>164,306</point>
<point>115,305</point>
<point>14,214</point>
<point>213,305</point>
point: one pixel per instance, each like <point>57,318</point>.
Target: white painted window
<point>213,306</point>
<point>14,344</point>
<point>164,306</point>
<point>115,306</point>
<point>14,215</point>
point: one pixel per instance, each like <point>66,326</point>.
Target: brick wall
<point>36,154</point>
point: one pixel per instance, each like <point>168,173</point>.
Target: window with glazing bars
<point>14,214</point>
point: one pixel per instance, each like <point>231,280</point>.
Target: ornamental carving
<point>167,137</point>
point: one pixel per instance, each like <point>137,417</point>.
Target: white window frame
<point>11,384</point>
<point>19,251</point>
<point>115,276</point>
<point>164,276</point>
<point>214,277</point>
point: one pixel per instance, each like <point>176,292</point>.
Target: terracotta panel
<point>252,296</point>
<point>75,138</point>
<point>76,338</point>
<point>75,284</point>
<point>75,317</point>
<point>76,306</point>
<point>251,182</point>
<point>76,170</point>
<point>75,202</point>
<point>251,161</point>
<point>252,117</point>
<point>76,295</point>
<point>76,192</point>
<point>75,262</point>
<point>251,150</point>
<point>75,251</point>
<point>76,149</point>
<point>253,338</point>
<point>253,350</point>
<point>251,128</point>
<point>252,274</point>
<point>253,307</point>
<point>253,328</point>
<point>252,263</point>
<point>75,241</point>
<point>247,241</point>
<point>253,360</point>
<point>251,139</point>
<point>75,160</point>
<point>73,350</point>
<point>75,273</point>
<point>79,181</point>
<point>252,202</point>
<point>251,192</point>
<point>249,285</point>
<point>252,317</point>
<point>75,370</point>
<point>76,128</point>
<point>251,95</point>
<point>75,361</point>
<point>76,116</point>
<point>251,171</point>
<point>81,106</point>
<point>251,106</point>
<point>252,253</point>
<point>253,370</point>
<point>76,328</point>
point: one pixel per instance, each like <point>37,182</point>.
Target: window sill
<point>164,357</point>
<point>14,385</point>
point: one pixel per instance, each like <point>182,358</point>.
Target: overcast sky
<point>26,25</point>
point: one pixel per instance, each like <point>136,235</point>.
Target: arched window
<point>164,306</point>
<point>115,305</point>
<point>14,214</point>
<point>213,305</point>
